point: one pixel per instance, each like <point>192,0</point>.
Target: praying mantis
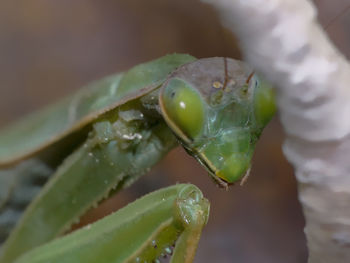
<point>103,138</point>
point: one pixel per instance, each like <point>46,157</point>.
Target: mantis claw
<point>193,211</point>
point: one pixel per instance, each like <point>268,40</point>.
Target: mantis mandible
<point>101,139</point>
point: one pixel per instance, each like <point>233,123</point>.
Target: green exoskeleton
<point>141,232</point>
<point>101,139</point>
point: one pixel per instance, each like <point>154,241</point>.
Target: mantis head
<point>217,108</point>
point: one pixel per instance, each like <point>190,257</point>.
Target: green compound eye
<point>264,103</point>
<point>183,108</point>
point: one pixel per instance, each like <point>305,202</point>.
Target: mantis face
<point>217,109</point>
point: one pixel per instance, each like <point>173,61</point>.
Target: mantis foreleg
<point>117,152</point>
<point>143,231</point>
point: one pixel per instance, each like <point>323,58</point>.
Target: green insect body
<point>215,109</point>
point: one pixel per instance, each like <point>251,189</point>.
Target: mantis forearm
<point>116,154</point>
<point>140,232</point>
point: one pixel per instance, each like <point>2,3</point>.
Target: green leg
<point>105,162</point>
<point>141,232</point>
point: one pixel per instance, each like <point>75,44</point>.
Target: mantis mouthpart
<point>103,138</point>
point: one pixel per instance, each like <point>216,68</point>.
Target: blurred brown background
<point>51,48</point>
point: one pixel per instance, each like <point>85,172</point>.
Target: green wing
<point>42,129</point>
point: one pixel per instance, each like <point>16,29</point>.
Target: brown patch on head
<point>213,75</point>
<point>217,85</point>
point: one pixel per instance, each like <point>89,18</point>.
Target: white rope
<point>282,40</point>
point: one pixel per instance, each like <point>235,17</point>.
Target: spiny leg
<point>111,158</point>
<point>141,232</point>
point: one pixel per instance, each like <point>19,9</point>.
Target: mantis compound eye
<point>183,108</point>
<point>264,103</point>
